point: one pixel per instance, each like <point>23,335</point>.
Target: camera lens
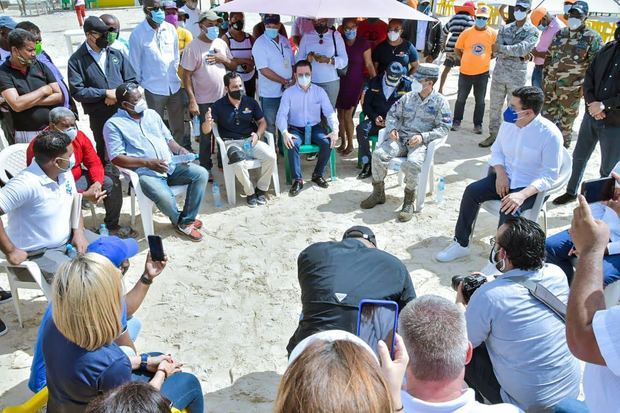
<point>456,280</point>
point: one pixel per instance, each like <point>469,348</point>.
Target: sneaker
<point>190,232</point>
<point>455,126</point>
<point>3,328</point>
<point>453,252</point>
<point>5,297</point>
<point>312,156</point>
<point>251,200</point>
<point>478,129</point>
<point>260,196</point>
<point>564,199</point>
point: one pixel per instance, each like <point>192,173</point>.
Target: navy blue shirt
<point>384,54</point>
<point>75,376</point>
<point>233,123</point>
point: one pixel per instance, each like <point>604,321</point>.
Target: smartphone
<point>598,190</point>
<point>156,247</point>
<point>378,320</point>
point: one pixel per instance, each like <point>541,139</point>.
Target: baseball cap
<point>483,11</point>
<point>271,18</point>
<point>426,70</point>
<point>209,15</point>
<point>115,249</point>
<point>570,1</point>
<point>581,6</point>
<point>395,71</point>
<point>524,3</point>
<point>468,7</point>
<point>7,21</point>
<point>360,231</point>
<point>95,24</point>
<point>537,15</point>
<point>170,5</point>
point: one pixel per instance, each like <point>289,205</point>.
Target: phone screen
<point>378,320</point>
<point>156,247</point>
<point>598,190</point>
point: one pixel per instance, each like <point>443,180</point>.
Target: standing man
<point>414,121</point>
<point>569,55</point>
<point>514,43</point>
<point>205,62</point>
<point>424,35</point>
<point>193,14</point>
<point>95,71</point>
<point>474,49</point>
<point>548,26</point>
<point>601,122</point>
<point>240,44</point>
<point>154,55</point>
<point>116,40</point>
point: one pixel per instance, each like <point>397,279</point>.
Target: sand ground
<point>227,306</point>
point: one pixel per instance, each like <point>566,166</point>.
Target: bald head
<point>111,21</point>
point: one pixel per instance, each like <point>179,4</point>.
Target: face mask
<point>71,161</point>
<point>567,7</point>
<point>38,48</point>
<point>158,16</point>
<point>574,23</point>
<point>235,94</point>
<point>520,15</point>
<point>541,27</point>
<point>416,86</point>
<point>481,23</point>
<point>224,26</point>
<point>350,34</point>
<point>271,32</point>
<point>173,19</point>
<point>424,9</point>
<point>26,61</point>
<point>102,42</point>
<point>238,25</point>
<point>212,32</point>
<point>393,35</point>
<point>511,115</point>
<point>304,80</point>
<point>500,265</point>
<point>391,82</point>
<point>112,36</point>
<point>71,132</point>
<point>320,28</point>
<point>140,107</point>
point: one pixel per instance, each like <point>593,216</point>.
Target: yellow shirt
<point>477,47</point>
<point>185,36</point>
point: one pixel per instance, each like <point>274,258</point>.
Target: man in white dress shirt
<point>525,159</point>
<point>154,55</point>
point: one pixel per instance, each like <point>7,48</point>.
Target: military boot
<point>406,213</point>
<point>487,142</point>
<point>377,196</point>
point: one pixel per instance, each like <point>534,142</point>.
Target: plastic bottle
<point>217,196</point>
<point>196,126</point>
<point>247,147</point>
<point>307,134</point>
<point>185,158</point>
<point>71,251</point>
<point>103,230</point>
<point>441,189</point>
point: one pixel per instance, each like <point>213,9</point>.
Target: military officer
<point>572,50</point>
<point>514,43</point>
<point>418,118</point>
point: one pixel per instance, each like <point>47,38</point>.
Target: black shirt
<point>233,123</point>
<point>335,276</point>
<point>601,82</point>
<point>36,76</point>
<point>384,54</point>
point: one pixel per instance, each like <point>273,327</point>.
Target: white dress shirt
<point>531,155</point>
<point>466,403</point>
<point>420,38</point>
<point>300,107</point>
<point>277,56</point>
<point>154,55</point>
<point>100,56</point>
<point>311,42</point>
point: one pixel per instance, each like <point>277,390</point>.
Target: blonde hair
<point>87,301</point>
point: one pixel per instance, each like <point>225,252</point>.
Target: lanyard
<point>279,46</point>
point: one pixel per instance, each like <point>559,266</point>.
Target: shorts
<point>452,60</point>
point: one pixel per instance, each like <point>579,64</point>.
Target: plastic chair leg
<point>229,182</point>
<point>15,294</point>
<point>93,215</point>
<point>133,208</point>
<point>332,164</point>
<point>276,181</point>
<point>287,167</point>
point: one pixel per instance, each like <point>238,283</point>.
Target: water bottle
<point>307,134</point>
<point>365,160</point>
<point>196,126</point>
<point>247,147</point>
<point>185,158</point>
<point>71,251</point>
<point>441,188</point>
<point>217,197</point>
<point>103,230</point>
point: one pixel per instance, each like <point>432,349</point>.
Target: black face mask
<point>320,28</point>
<point>102,42</point>
<point>238,25</point>
<point>235,94</point>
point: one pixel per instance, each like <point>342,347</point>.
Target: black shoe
<point>320,181</point>
<point>252,200</point>
<point>260,196</point>
<point>5,297</point>
<point>366,172</point>
<point>455,126</point>
<point>296,188</point>
<point>564,199</point>
<point>478,129</point>
<point>3,328</point>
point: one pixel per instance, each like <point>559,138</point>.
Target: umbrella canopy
<point>327,8</point>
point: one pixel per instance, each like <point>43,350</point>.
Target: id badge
<point>287,64</point>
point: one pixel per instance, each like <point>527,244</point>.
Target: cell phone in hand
<point>597,190</point>
<point>156,247</point>
<point>378,320</point>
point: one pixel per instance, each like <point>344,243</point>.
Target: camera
<point>470,284</point>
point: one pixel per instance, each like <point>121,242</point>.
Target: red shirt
<point>375,32</point>
<point>84,154</point>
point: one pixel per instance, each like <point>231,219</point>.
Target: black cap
<point>95,24</point>
<point>360,231</point>
<point>271,18</point>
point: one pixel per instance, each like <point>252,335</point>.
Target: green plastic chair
<point>309,149</point>
<point>373,143</point>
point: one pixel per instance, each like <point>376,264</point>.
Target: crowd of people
<point>512,346</point>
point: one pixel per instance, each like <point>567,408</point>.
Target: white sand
<point>227,306</point>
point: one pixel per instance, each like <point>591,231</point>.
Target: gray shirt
<point>514,45</point>
<point>526,341</point>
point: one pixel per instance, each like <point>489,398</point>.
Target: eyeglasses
<point>158,8</point>
<point>130,87</point>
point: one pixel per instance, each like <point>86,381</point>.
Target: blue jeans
<point>364,130</point>
<point>317,137</point>
<point>537,76</point>
<point>571,405</point>
<point>157,189</point>
<point>560,244</point>
<point>270,108</point>
<point>475,194</point>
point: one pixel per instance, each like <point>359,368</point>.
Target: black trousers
<point>466,82</point>
<point>97,119</point>
<point>479,376</point>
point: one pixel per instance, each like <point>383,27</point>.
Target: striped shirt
<point>454,28</point>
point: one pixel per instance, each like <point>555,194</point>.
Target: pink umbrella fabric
<point>327,8</point>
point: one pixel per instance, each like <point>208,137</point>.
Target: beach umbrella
<point>327,8</point>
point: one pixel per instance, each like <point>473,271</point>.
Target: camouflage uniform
<point>570,54</point>
<point>410,116</point>
<point>515,44</point>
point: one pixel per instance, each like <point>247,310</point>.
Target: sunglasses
<point>130,87</point>
<point>157,8</point>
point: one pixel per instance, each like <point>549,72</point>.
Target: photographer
<point>520,351</point>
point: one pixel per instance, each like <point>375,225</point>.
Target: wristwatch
<point>143,361</point>
<point>146,280</point>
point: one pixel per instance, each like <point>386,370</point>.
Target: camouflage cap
<point>581,6</point>
<point>426,70</point>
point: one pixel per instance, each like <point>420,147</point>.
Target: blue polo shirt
<point>233,123</point>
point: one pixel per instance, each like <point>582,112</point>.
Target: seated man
<point>336,275</point>
<point>239,117</point>
<point>414,121</point>
<point>383,91</point>
<point>136,138</point>
<point>91,180</point>
<point>435,335</point>
<point>520,351</point>
<point>525,159</point>
<point>118,251</point>
<point>300,111</point>
<point>38,202</point>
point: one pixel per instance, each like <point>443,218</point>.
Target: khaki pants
<point>267,158</point>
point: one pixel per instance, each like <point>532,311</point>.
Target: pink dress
<point>351,84</point>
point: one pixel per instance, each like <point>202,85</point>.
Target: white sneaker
<point>453,252</point>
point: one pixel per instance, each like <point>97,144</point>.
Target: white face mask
<point>574,23</point>
<point>520,15</point>
<point>393,36</point>
<point>71,132</point>
<point>304,80</point>
<point>141,106</point>
<point>500,265</point>
<point>416,86</point>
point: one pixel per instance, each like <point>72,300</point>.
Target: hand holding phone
<point>597,190</point>
<point>377,320</point>
<point>157,248</point>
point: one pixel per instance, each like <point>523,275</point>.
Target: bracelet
<point>163,371</point>
<point>146,280</point>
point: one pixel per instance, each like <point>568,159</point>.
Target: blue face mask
<point>511,115</point>
<point>271,32</point>
<point>224,25</point>
<point>158,16</point>
<point>541,27</point>
<point>213,32</point>
<point>350,34</point>
<point>481,23</point>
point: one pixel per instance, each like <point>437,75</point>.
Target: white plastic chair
<point>229,171</point>
<point>426,179</point>
<point>146,205</point>
<point>37,282</point>
<point>612,294</point>
<point>540,204</point>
